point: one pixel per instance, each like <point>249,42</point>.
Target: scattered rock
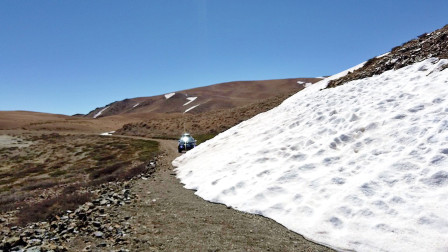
<point>98,234</point>
<point>92,219</point>
<point>433,45</point>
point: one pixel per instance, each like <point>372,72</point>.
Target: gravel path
<point>171,218</point>
<point>167,217</point>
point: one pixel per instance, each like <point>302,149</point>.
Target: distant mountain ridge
<point>204,99</point>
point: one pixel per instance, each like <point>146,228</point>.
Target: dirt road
<point>172,218</point>
<point>167,217</point>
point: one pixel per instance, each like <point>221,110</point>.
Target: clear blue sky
<point>73,56</point>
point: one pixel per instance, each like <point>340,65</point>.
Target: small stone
<point>34,242</point>
<point>14,242</point>
<point>88,248</point>
<point>98,234</point>
<point>49,247</point>
<point>33,249</point>
<point>102,245</point>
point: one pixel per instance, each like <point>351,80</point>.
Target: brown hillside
<point>200,124</point>
<point>219,96</point>
<point>25,120</point>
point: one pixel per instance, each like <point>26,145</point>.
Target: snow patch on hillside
<point>191,108</point>
<point>167,96</point>
<point>190,100</point>
<point>135,105</point>
<point>363,166</point>
<point>305,84</point>
<point>101,111</point>
<point>107,133</point>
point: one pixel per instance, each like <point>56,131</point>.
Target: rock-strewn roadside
<point>153,212</point>
<point>99,219</point>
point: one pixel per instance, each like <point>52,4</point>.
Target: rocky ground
<point>153,212</point>
<point>434,44</point>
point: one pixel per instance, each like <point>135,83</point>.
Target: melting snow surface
<point>191,108</point>
<point>362,166</point>
<point>190,100</point>
<point>101,111</point>
<point>305,84</point>
<point>136,105</point>
<point>167,96</point>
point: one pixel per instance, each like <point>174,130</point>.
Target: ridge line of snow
<point>101,111</point>
<point>191,108</point>
<point>167,96</point>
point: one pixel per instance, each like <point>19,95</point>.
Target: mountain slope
<point>204,99</point>
<point>210,123</point>
<point>434,44</point>
<point>362,166</point>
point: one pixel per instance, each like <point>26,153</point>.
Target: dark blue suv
<point>186,142</point>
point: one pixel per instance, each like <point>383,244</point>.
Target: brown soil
<point>168,217</point>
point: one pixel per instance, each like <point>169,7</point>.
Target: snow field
<point>363,166</point>
<point>107,133</point>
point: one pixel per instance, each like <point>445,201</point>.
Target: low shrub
<point>29,168</point>
<point>132,172</point>
<point>95,174</point>
<point>40,185</point>
<point>47,209</point>
<point>11,201</point>
<point>58,173</point>
<point>370,62</point>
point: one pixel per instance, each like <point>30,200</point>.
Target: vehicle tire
<point>179,150</point>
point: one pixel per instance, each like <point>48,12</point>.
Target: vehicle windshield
<point>186,139</point>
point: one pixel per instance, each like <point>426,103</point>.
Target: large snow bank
<point>362,166</point>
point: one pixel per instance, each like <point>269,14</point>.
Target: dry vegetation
<point>54,173</point>
<point>203,126</point>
